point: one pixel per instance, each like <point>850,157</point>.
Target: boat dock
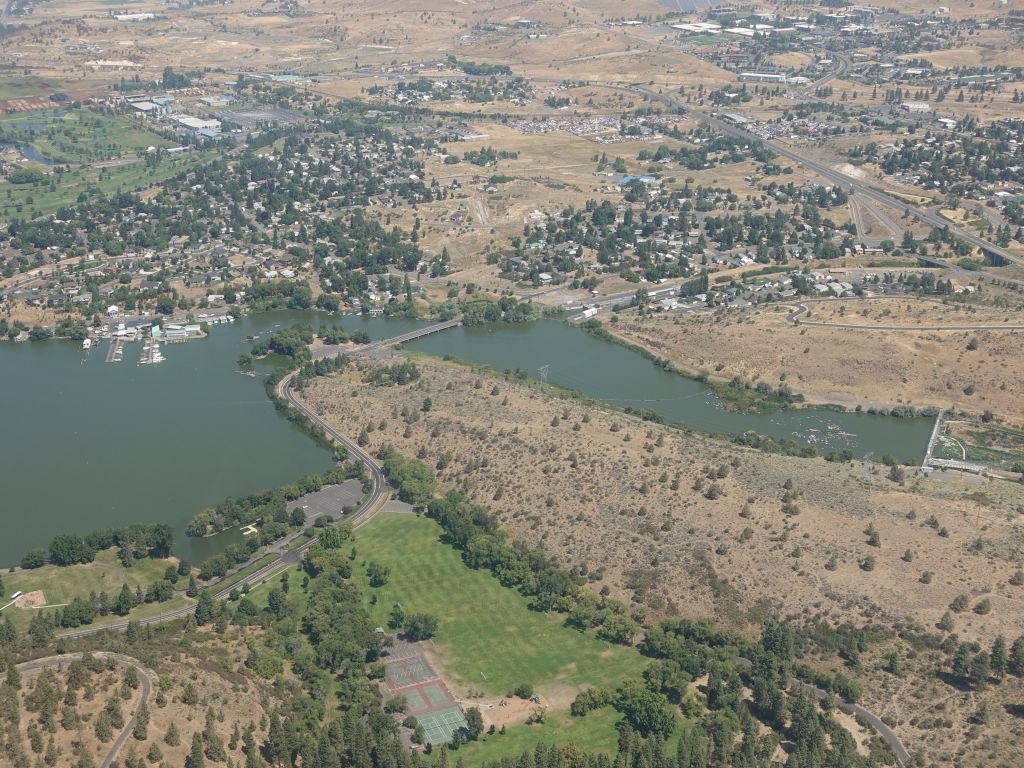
<point>115,352</point>
<point>151,353</point>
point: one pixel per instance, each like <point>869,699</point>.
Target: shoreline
<point>811,400</point>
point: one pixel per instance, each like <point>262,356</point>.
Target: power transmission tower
<point>543,371</point>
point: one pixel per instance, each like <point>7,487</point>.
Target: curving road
<point>884,731</point>
<point>802,309</point>
<point>287,557</point>
<point>122,661</point>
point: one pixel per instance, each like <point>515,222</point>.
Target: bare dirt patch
<point>512,711</point>
<point>859,733</point>
<point>31,600</point>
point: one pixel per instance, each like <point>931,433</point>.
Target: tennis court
<point>436,695</point>
<point>439,726</point>
<point>414,701</point>
<point>421,698</point>
<point>409,672</point>
<point>402,649</point>
<point>427,698</point>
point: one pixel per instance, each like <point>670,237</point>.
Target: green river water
<point>87,444</point>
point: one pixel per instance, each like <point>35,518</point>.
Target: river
<point>88,444</point>
<point>616,374</point>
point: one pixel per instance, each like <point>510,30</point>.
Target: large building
<point>197,124</point>
<point>915,106</point>
<point>763,77</point>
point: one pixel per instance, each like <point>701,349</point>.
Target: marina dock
<point>151,353</point>
<point>115,352</point>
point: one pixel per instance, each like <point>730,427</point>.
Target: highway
<point>849,183</point>
<point>802,309</point>
<point>145,680</point>
<point>854,186</point>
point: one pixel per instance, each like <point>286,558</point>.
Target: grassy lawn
<point>593,733</point>
<point>31,200</point>
<point>20,87</point>
<point>78,135</point>
<point>61,585</point>
<point>488,638</point>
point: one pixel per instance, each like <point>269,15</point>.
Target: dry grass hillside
<point>853,366</point>
<point>634,503</point>
<point>97,699</point>
<point>687,524</point>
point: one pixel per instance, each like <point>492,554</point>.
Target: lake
<point>88,444</point>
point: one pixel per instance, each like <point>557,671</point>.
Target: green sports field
<point>47,196</point>
<point>105,574</point>
<point>79,135</point>
<point>488,638</point>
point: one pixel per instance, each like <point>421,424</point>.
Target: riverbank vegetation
<point>902,372</point>
<point>736,394</point>
<point>132,543</point>
<point>268,511</point>
<point>292,344</point>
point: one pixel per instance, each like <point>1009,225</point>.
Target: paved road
<point>287,556</point>
<point>331,350</point>
<point>122,661</point>
<point>847,182</point>
<point>802,309</point>
<point>887,734</point>
<point>839,71</point>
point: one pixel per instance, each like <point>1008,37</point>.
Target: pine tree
<point>195,756</point>
<point>981,668</point>
<point>139,732</point>
<point>204,608</point>
<point>998,657</point>
<point>172,738</point>
<point>1015,663</point>
<point>124,602</point>
<point>962,663</point>
<point>214,743</point>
